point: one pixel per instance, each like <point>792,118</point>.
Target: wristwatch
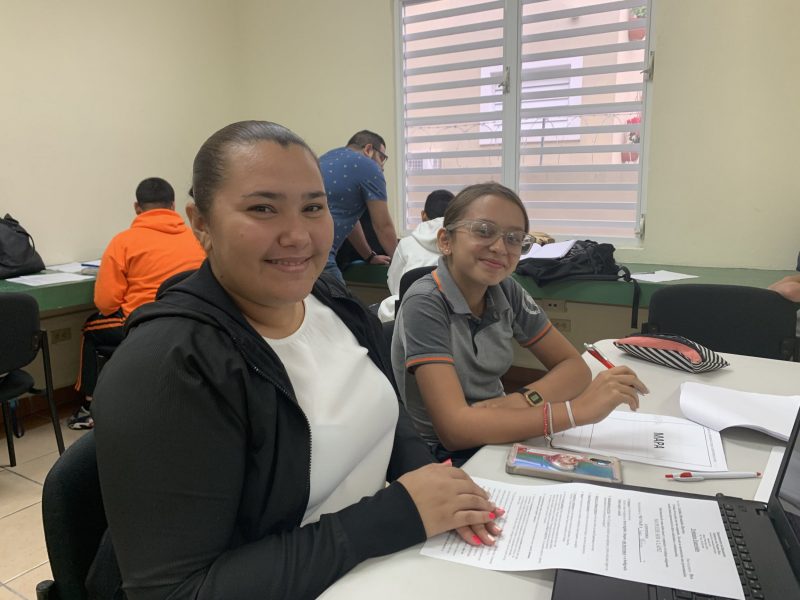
<point>372,254</point>
<point>532,397</point>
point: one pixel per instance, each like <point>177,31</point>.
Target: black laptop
<point>764,539</point>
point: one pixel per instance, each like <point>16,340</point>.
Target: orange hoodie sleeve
<point>112,282</point>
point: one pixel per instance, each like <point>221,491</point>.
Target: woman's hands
<point>447,498</point>
<point>475,535</point>
<point>608,390</point>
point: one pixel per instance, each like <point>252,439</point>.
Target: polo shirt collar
<point>496,301</point>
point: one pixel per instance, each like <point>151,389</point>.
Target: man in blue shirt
<point>355,183</point>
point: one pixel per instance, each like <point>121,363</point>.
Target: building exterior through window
<point>545,96</point>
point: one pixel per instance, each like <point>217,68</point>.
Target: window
<point>545,96</point>
<point>531,100</point>
<point>423,164</point>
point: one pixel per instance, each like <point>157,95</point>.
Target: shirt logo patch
<point>529,305</point>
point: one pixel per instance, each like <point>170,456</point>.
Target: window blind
<point>546,96</point>
<point>452,60</point>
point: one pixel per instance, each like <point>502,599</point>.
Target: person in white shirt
<point>417,250</point>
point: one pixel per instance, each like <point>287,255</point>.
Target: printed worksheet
<point>661,276</point>
<point>719,408</point>
<point>638,536</point>
<point>48,278</point>
<point>652,439</point>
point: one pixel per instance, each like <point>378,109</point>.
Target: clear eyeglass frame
<point>515,240</point>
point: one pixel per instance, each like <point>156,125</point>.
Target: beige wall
<point>723,188</point>
<point>97,95</point>
<point>324,69</point>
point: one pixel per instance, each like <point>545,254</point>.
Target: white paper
<point>92,263</point>
<point>651,439</point>
<point>659,276</point>
<point>769,475</point>
<point>718,408</point>
<point>652,538</point>
<point>73,267</point>
<point>553,250</point>
<point>48,278</point>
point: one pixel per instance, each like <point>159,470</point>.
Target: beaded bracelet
<point>569,414</point>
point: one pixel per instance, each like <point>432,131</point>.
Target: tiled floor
<point>23,556</point>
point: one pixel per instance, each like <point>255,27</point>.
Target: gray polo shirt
<point>435,325</point>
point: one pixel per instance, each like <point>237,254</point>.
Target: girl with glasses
<point>454,333</point>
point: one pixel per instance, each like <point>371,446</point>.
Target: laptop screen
<point>784,506</point>
<point>789,490</point>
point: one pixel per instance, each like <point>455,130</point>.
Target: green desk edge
<point>80,294</point>
<point>57,297</point>
<point>605,292</point>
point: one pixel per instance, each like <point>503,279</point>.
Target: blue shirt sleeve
<point>373,186</point>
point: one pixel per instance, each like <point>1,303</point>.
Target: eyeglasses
<point>382,156</point>
<point>516,240</point>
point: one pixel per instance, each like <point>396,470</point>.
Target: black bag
<point>586,260</point>
<point>18,254</point>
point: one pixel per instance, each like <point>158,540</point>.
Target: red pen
<point>702,476</point>
<point>591,349</point>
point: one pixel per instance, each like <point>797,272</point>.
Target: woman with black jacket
<point>247,426</point>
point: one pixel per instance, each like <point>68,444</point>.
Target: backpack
<point>586,260</point>
<point>18,254</point>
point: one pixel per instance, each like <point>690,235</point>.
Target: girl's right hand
<point>446,498</point>
<point>608,390</point>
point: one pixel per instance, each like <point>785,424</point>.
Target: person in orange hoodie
<point>157,245</point>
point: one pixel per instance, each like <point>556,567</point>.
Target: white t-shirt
<point>350,405</point>
<point>420,249</point>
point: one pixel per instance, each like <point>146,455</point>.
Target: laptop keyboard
<point>741,556</point>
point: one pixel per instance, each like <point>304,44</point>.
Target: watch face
<point>535,398</point>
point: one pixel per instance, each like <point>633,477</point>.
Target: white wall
<point>97,95</point>
<point>324,69</point>
<point>723,184</point>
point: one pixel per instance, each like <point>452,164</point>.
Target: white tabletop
<point>407,574</point>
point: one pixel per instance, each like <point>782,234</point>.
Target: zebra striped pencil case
<point>673,351</point>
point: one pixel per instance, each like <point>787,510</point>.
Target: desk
<point>599,292</point>
<point>59,298</point>
<point>407,574</point>
<point>583,310</point>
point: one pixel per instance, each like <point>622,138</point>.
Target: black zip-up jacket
<point>204,457</point>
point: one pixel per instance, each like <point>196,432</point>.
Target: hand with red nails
<point>446,498</point>
<point>483,533</point>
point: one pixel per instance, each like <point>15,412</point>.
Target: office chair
<point>407,279</point>
<point>410,277</point>
<point>22,339</point>
<point>74,520</point>
<point>727,318</point>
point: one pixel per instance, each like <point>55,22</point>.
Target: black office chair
<point>74,521</point>
<point>406,280</point>
<point>727,318</point>
<point>21,341</point>
<point>410,277</point>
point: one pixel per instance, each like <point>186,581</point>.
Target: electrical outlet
<point>60,335</point>
<point>553,305</point>
<point>563,325</point>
